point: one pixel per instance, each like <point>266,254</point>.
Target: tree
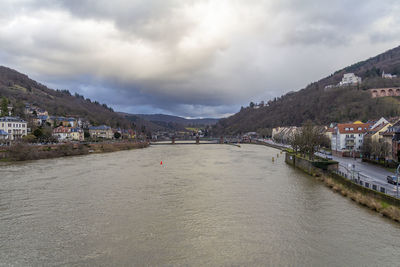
<point>308,139</point>
<point>366,147</point>
<point>117,135</point>
<point>4,107</point>
<point>252,104</point>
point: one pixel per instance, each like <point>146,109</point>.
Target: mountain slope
<point>323,106</point>
<point>175,119</point>
<point>20,89</point>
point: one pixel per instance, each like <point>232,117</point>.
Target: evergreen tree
<point>4,107</point>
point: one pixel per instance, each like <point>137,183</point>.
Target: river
<point>205,205</point>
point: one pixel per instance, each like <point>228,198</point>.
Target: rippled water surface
<point>206,205</point>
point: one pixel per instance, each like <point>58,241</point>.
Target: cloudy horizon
<point>190,58</point>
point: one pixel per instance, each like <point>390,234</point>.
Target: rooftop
<point>11,119</point>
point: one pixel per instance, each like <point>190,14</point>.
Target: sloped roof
<point>351,128</point>
<point>101,127</point>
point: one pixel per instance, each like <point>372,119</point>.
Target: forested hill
<point>322,106</point>
<point>163,118</point>
<point>20,89</point>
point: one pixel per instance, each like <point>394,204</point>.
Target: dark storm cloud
<point>193,58</point>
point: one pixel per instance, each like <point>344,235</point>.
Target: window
<point>359,128</point>
<point>351,129</point>
<point>346,129</point>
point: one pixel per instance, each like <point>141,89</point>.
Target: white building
<point>68,134</point>
<point>388,75</point>
<point>15,127</point>
<point>348,137</point>
<point>350,79</point>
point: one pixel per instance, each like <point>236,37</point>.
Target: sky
<point>192,58</point>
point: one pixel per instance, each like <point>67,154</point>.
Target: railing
<point>366,181</point>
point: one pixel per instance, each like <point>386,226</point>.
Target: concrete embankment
<point>384,204</point>
<point>22,151</point>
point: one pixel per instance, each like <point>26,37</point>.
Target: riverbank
<point>22,151</point>
<point>384,204</point>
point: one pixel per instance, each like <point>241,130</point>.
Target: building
<point>77,134</point>
<point>347,138</point>
<point>376,131</point>
<point>283,134</point>
<point>388,75</point>
<point>102,131</point>
<point>41,120</point>
<point>62,133</point>
<point>3,135</point>
<point>15,127</point>
<point>68,134</point>
<point>350,79</point>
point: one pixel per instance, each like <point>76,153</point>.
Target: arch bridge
<point>382,92</point>
<point>198,141</point>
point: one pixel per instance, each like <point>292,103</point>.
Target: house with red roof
<point>347,138</point>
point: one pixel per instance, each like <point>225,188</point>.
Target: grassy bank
<point>383,207</point>
<point>21,151</point>
<point>384,204</point>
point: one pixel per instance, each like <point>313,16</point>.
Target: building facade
<point>102,131</point>
<point>15,127</point>
<point>347,138</point>
<point>350,79</point>
<point>68,134</point>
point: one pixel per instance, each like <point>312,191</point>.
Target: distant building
<point>68,134</point>
<point>283,134</point>
<point>3,135</point>
<point>15,127</point>
<point>388,75</point>
<point>350,79</point>
<point>102,131</point>
<point>41,120</point>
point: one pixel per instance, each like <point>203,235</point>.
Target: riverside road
<point>369,172</point>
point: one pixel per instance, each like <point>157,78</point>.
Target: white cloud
<point>192,58</point>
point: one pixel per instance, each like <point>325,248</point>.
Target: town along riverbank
<point>384,204</point>
<point>22,151</point>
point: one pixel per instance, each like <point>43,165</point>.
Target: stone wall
<point>310,167</point>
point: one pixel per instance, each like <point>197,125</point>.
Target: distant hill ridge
<point>176,119</point>
<point>322,106</point>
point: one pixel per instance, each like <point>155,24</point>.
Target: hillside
<point>20,89</point>
<point>323,106</point>
<point>148,125</point>
<point>162,118</point>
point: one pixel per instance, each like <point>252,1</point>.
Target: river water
<point>205,205</point>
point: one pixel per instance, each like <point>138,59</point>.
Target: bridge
<point>197,141</point>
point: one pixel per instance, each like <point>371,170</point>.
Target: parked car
<point>391,179</point>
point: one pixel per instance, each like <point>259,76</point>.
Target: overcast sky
<point>190,58</point>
